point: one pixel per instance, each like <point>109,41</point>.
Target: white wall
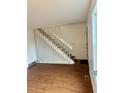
<point>75,35</point>
<point>90,45</point>
<point>31,51</point>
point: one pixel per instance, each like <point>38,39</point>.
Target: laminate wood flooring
<point>58,78</point>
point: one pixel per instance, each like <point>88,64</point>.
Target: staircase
<point>59,45</point>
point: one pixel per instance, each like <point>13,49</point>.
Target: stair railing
<point>45,35</point>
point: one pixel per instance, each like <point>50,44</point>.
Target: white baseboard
<point>57,62</point>
<point>93,81</point>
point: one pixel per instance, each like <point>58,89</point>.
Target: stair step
<point>72,57</point>
<point>69,55</point>
<point>44,33</point>
<point>47,35</point>
<point>63,49</point>
<point>60,47</point>
<point>66,51</point>
<point>52,39</point>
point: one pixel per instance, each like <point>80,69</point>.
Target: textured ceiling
<point>54,12</point>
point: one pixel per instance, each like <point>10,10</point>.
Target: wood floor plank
<point>51,78</point>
